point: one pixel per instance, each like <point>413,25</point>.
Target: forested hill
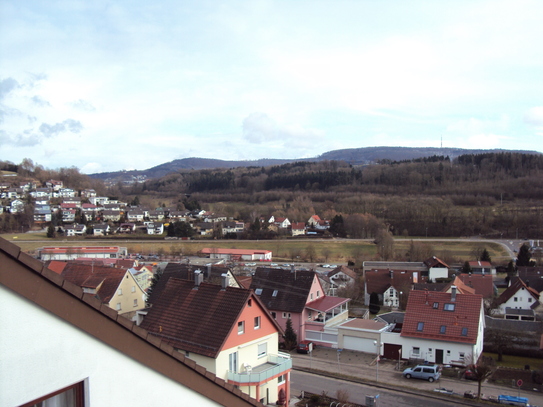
<point>354,156</point>
<point>490,174</point>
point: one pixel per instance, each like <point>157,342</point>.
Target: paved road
<point>357,392</point>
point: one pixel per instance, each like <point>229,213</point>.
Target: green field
<point>325,250</point>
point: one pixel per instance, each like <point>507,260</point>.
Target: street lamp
<point>377,346</point>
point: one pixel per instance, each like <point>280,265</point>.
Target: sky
<point>113,85</point>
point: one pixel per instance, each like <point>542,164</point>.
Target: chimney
<point>224,281</point>
<point>391,273</point>
<point>453,293</point>
<point>198,278</point>
<point>208,274</point>
<point>292,268</point>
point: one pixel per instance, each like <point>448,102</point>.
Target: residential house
<point>279,222</point>
<point>232,227</point>
<point>17,206</point>
<point>127,228</point>
<point>89,210</point>
<point>61,345</point>
<point>42,214</point>
<point>439,328</point>
<point>211,273</point>
<point>41,193</point>
<point>519,295</point>
<point>437,268</point>
<point>135,215</point>
<point>68,215</point>
<point>482,284</point>
<point>111,215</point>
<point>67,193</point>
<point>99,200</point>
<point>533,276</point>
<point>55,185</point>
<point>101,229</point>
<point>482,267</point>
<point>227,330</point>
<point>389,285</point>
<point>313,221</point>
<point>156,216</point>
<point>88,193</point>
<point>154,228</point>
<point>76,201</point>
<point>298,295</point>
<point>143,276</point>
<point>341,277</point>
<point>74,230</point>
<point>114,287</point>
<point>178,215</point>
<point>298,229</point>
<point>205,228</point>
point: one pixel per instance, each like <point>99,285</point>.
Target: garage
<point>392,351</point>
<point>359,344</point>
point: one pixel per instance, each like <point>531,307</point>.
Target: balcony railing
<point>275,365</point>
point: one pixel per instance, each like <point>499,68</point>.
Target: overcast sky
<point>112,85</point>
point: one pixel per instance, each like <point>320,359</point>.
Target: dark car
<point>305,347</point>
<point>469,375</point>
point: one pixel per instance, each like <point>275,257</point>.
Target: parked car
<point>305,347</point>
<point>424,372</point>
<point>469,375</point>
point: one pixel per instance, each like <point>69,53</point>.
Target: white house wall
<point>40,353</point>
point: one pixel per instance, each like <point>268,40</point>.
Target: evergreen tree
<point>51,231</point>
<point>290,338</point>
<point>524,256</point>
<point>374,303</point>
<point>485,256</point>
<point>466,268</point>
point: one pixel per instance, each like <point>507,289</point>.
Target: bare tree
<point>481,369</point>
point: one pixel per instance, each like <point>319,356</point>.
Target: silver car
<point>424,372</point>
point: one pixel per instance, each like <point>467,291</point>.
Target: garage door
<point>359,344</point>
<point>392,351</point>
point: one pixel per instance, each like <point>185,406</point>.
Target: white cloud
<point>534,116</point>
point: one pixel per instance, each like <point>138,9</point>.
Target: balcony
<point>275,365</point>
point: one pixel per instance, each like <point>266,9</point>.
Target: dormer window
<point>420,326</point>
<point>435,305</point>
<point>448,307</point>
<point>258,291</point>
<point>464,331</point>
<point>274,293</point>
<point>443,329</point>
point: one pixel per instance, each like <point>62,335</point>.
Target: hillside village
<point>243,314</point>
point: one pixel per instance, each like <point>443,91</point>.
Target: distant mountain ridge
<point>353,156</point>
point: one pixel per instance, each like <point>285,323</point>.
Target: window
<point>461,355</point>
<point>241,327</point>
<point>448,353</point>
<point>515,299</point>
<point>262,349</point>
<point>257,322</point>
<point>118,306</point>
<point>281,379</point>
<point>464,331</point>
<point>286,314</point>
<point>436,305</point>
<point>72,396</point>
<point>420,326</point>
<point>416,351</point>
<point>274,294</point>
<point>274,315</point>
<point>258,291</point>
<point>233,362</point>
<point>120,291</point>
<point>448,307</point>
<point>133,288</point>
<point>136,302</point>
<point>443,329</point>
<point>318,293</point>
<point>530,299</point>
<point>250,303</point>
<point>311,296</point>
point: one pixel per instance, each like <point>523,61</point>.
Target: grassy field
<point>517,362</point>
<point>325,250</point>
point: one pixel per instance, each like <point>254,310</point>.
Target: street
<point>358,392</point>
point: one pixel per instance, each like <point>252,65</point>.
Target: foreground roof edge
<point>30,279</point>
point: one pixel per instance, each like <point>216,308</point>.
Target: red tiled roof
<point>460,287</point>
<point>208,250</point>
<point>343,269</point>
<point>57,266</point>
<point>466,314</point>
<point>378,281</point>
<point>435,262</point>
<point>82,250</point>
<point>326,303</point>
<point>481,283</point>
<point>88,275</point>
<point>298,225</point>
<point>196,320</point>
